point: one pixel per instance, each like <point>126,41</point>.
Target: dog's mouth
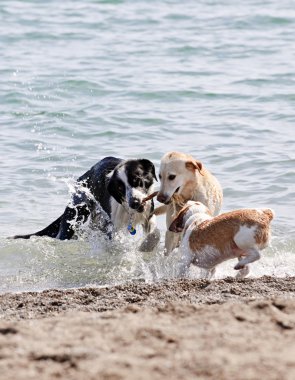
<point>173,195</point>
<point>140,209</point>
<point>137,207</point>
<point>163,198</point>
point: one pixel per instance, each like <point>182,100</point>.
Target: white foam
<point>41,263</point>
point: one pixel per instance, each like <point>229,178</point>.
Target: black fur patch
<point>102,185</point>
<point>140,173</point>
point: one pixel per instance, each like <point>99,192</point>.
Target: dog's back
<point>208,241</point>
<point>209,192</point>
<point>241,227</point>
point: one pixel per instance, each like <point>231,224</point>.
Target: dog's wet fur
<point>112,194</point>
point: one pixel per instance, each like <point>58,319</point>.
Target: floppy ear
<point>116,188</point>
<point>194,165</point>
<point>149,166</point>
<point>178,223</point>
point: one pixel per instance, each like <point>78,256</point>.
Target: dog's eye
<point>171,177</point>
<point>120,187</point>
<point>137,183</point>
<point>160,176</point>
<point>147,184</point>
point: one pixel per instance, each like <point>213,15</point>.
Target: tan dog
<point>207,241</point>
<point>184,178</point>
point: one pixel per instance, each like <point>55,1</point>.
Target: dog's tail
<point>269,213</point>
<point>51,231</point>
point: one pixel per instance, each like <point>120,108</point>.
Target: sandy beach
<point>184,329</point>
<point>123,80</point>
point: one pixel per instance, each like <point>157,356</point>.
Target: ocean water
<point>80,80</point>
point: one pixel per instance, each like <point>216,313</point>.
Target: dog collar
<point>131,229</point>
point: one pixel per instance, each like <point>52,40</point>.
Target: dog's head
<point>190,209</point>
<point>131,181</point>
<point>177,175</point>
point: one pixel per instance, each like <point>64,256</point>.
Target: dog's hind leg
<point>251,255</point>
<point>242,273</point>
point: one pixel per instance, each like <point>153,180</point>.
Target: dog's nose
<point>162,198</point>
<point>135,204</point>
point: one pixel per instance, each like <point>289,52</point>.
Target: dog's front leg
<point>74,215</point>
<point>100,221</point>
<point>172,240</point>
<point>152,237</point>
<point>160,210</point>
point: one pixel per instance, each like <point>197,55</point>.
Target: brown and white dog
<point>208,241</point>
<point>184,178</point>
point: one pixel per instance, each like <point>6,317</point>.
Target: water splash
<point>93,260</point>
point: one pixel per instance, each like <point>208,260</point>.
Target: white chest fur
<point>122,216</point>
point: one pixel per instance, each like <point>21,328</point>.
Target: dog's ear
<point>149,167</point>
<point>194,165</point>
<point>178,223</point>
<point>116,188</point>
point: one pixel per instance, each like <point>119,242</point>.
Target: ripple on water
<point>83,80</point>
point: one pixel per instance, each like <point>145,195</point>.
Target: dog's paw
<point>242,273</point>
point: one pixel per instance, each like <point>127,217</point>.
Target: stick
<point>149,197</point>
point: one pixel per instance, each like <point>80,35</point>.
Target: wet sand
<point>181,329</point>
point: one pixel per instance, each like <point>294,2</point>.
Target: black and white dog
<point>112,194</point>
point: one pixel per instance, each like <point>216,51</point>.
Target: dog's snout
<point>162,198</point>
<point>135,204</point>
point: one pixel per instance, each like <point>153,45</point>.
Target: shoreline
<point>36,304</point>
<point>225,329</point>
